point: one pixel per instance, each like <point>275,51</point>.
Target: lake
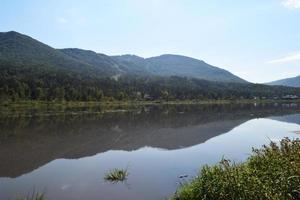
<point>66,152</point>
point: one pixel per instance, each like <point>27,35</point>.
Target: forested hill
<point>176,65</point>
<point>31,70</point>
<point>292,82</point>
<point>21,51</point>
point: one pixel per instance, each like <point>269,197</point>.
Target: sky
<point>258,40</point>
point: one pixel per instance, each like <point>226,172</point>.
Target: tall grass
<point>33,196</point>
<point>116,175</point>
<point>271,173</point>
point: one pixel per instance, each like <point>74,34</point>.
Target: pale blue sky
<point>258,40</point>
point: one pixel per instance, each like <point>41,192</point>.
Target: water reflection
<point>158,143</point>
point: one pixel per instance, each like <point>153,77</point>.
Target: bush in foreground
<point>271,173</point>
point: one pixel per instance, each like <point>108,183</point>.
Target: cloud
<point>62,20</point>
<point>288,58</point>
<point>292,4</point>
<point>74,19</point>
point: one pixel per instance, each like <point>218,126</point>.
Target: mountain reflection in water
<point>30,142</point>
<point>68,151</point>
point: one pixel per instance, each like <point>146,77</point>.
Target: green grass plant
<point>116,175</point>
<point>33,196</point>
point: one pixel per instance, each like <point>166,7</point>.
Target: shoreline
<point>134,103</point>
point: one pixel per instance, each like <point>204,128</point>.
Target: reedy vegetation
<point>116,175</point>
<point>271,173</point>
<point>33,196</point>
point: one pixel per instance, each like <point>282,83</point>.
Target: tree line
<point>18,83</point>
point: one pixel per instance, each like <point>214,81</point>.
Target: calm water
<point>66,153</point>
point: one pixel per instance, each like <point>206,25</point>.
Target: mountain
<point>101,62</point>
<point>18,50</point>
<point>31,70</point>
<point>292,82</point>
<point>133,64</point>
<point>177,65</point>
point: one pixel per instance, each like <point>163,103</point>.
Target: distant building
<point>290,96</point>
<point>147,97</point>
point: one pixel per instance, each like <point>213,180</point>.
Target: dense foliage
<point>272,172</point>
<point>32,83</point>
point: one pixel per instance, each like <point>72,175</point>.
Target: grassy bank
<point>130,103</point>
<point>272,173</point>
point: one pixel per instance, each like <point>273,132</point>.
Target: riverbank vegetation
<point>271,173</point>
